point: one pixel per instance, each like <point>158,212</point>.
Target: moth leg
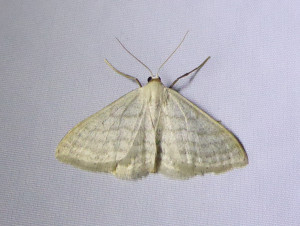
<point>186,74</point>
<point>121,73</point>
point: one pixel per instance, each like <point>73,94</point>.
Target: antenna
<point>172,53</point>
<point>135,57</point>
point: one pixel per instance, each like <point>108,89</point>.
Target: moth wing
<point>194,143</point>
<point>113,140</point>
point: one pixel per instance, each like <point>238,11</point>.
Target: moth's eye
<point>159,78</point>
<point>149,79</point>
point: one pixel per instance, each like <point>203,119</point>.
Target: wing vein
<point>186,126</point>
<point>137,130</point>
<point>120,118</point>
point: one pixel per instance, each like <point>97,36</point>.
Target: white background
<point>53,76</point>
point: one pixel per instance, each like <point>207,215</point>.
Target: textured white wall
<point>53,75</point>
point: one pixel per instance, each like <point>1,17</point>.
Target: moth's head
<point>154,78</point>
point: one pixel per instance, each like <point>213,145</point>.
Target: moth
<point>152,129</point>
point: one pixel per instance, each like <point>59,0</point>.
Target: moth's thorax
<point>153,93</point>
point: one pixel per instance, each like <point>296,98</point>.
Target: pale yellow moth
<point>152,129</point>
